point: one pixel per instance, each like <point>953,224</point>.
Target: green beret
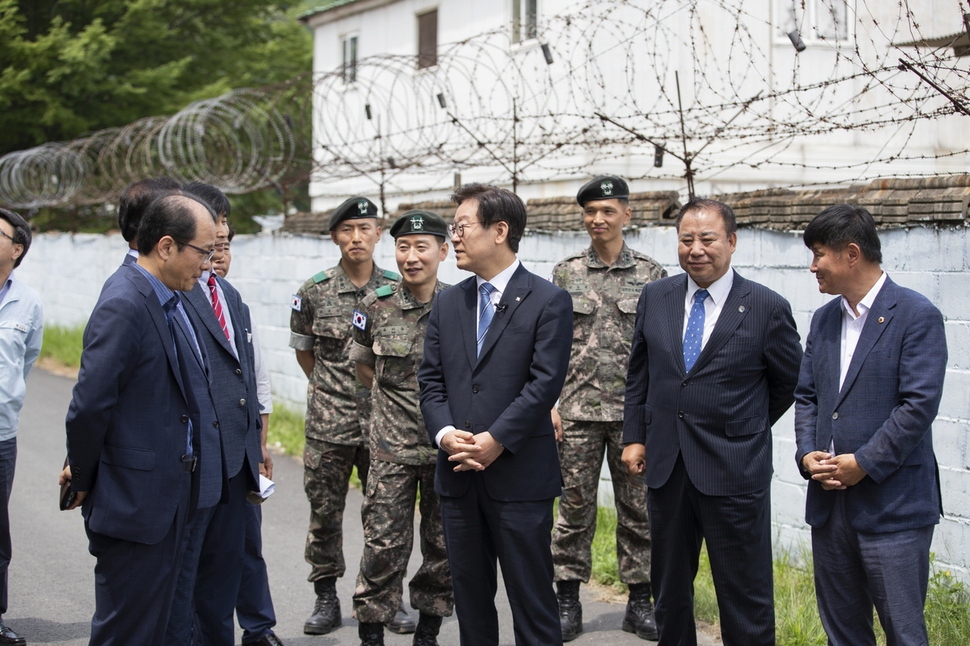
<point>604,187</point>
<point>414,222</point>
<point>354,208</point>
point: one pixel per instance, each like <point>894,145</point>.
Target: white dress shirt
<point>713,305</point>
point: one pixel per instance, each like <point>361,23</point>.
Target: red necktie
<point>217,305</point>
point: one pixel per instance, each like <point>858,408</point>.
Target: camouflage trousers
<point>581,457</point>
<point>326,478</point>
<point>388,517</point>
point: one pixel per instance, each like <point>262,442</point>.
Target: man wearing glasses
<point>141,427</point>
<point>212,566</point>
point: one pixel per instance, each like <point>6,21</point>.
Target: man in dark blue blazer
<point>134,424</point>
<point>713,365</point>
<point>869,388</point>
<point>495,359</point>
<point>212,567</point>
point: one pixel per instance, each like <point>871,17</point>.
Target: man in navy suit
<point>713,365</point>
<point>868,391</point>
<point>213,563</point>
<point>135,423</point>
<point>495,359</point>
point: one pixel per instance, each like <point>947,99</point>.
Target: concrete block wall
<point>68,271</point>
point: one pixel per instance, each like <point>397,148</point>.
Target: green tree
<point>68,67</point>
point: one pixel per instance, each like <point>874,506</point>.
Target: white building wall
<point>68,271</point>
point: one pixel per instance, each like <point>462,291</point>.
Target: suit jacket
<point>508,390</point>
<point>127,422</point>
<point>719,415</point>
<point>232,380</point>
<point>882,413</point>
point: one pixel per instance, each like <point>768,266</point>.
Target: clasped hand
<point>836,472</point>
<point>471,452</point>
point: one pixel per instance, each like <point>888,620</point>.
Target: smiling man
<point>338,404</point>
<point>388,346</point>
<point>713,365</point>
<point>869,389</point>
<point>604,281</point>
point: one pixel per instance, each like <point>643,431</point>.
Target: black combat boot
<point>371,634</point>
<point>639,617</point>
<point>326,611</point>
<point>570,610</point>
<point>403,623</point>
<point>427,631</point>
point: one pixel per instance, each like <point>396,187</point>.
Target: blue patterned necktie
<point>695,329</point>
<point>485,312</point>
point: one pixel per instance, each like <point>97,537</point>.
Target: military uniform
<point>337,407</point>
<point>390,337</point>
<point>591,407</point>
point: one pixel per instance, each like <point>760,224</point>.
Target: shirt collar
<point>501,280</point>
<point>162,293</point>
<point>866,303</point>
<point>718,290</point>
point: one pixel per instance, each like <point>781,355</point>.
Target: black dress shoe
<point>403,623</point>
<point>269,640</point>
<point>7,636</point>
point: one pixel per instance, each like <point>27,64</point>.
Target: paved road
<point>51,575</point>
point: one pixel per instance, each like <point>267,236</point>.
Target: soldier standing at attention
<point>337,403</point>
<point>388,347</point>
<point>604,281</point>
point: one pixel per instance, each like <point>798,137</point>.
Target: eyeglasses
<point>459,229</point>
<point>7,236</point>
<point>206,253</point>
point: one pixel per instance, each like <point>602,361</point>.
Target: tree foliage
<point>68,67</point>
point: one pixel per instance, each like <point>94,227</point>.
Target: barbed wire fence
<point>702,82</point>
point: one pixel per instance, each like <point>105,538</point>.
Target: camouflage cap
<point>353,208</point>
<point>416,222</point>
<point>603,187</point>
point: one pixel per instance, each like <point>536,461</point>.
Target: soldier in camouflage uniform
<point>388,346</point>
<point>605,281</point>
<point>337,403</point>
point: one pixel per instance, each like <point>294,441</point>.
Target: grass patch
<point>62,345</point>
<point>796,612</point>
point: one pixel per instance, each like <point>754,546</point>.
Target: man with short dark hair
<point>21,333</point>
<point>495,358</point>
<point>141,425</point>
<point>338,404</point>
<point>604,281</point>
<point>869,389</point>
<point>713,365</point>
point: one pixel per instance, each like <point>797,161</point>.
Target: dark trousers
<point>856,570</point>
<point>8,461</point>
<point>211,571</point>
<point>477,531</point>
<point>738,534</point>
<point>134,584</point>
<point>254,605</point>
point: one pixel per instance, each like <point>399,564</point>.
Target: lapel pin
<point>517,299</point>
<point>882,319</point>
<point>741,308</point>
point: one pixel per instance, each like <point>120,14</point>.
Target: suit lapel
<point>467,319</point>
<point>733,311</point>
<point>876,323</point>
<point>203,308</point>
<point>514,295</point>
<point>157,315</point>
<point>673,305</point>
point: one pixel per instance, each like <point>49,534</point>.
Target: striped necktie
<point>217,305</point>
<point>485,312</point>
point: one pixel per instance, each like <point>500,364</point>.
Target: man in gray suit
<point>713,365</point>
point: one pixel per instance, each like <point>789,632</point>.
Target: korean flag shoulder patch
<point>296,303</point>
<point>360,320</point>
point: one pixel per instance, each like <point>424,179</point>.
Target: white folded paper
<point>266,487</point>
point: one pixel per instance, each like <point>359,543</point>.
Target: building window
<point>524,13</point>
<point>815,20</point>
<point>349,67</point>
<point>428,39</point>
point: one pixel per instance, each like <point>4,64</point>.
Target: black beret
<point>414,222</point>
<point>604,187</point>
<point>353,208</point>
